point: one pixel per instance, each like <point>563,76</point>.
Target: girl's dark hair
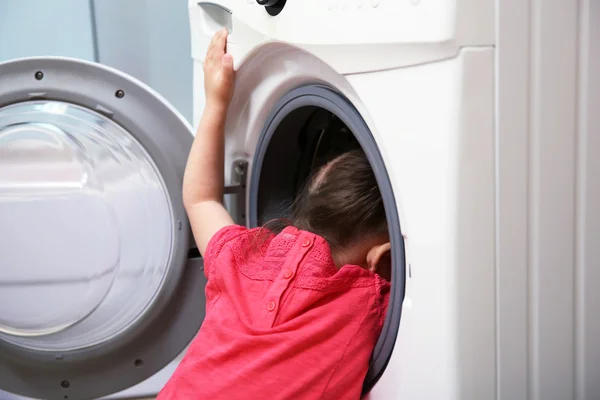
<point>341,203</point>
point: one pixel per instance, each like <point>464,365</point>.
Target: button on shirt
<point>281,321</point>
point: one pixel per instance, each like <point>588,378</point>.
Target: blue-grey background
<point>148,39</point>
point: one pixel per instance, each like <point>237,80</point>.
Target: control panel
<point>364,33</point>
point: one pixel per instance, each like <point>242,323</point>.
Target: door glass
<point>86,227</point>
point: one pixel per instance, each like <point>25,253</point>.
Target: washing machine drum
<point>98,290</point>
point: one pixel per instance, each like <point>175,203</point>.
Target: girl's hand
<point>218,72</point>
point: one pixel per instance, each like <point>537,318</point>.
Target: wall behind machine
<point>148,39</point>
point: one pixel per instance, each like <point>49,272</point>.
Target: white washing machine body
<point>459,112</point>
<point>426,93</point>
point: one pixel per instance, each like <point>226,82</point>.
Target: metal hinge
<point>237,205</point>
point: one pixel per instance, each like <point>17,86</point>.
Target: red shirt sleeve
<point>383,288</point>
<point>216,243</point>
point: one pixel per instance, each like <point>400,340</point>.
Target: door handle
<point>206,19</point>
<point>212,4</point>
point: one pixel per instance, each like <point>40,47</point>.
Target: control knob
<point>273,7</point>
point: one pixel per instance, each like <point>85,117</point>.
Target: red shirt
<point>281,321</point>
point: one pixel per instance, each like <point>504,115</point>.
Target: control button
<point>273,7</point>
<point>375,3</point>
<point>306,242</point>
<point>271,306</point>
<point>287,274</point>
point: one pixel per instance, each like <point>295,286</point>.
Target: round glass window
<point>86,227</point>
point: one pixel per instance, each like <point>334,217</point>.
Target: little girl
<point>294,312</point>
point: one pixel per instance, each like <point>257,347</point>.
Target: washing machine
<point>478,120</point>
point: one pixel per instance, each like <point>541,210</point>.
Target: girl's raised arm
<point>203,181</point>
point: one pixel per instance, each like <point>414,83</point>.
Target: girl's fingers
<point>216,48</point>
<point>211,47</point>
<point>221,42</point>
<point>227,68</point>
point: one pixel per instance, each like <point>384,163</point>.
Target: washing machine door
<point>99,285</point>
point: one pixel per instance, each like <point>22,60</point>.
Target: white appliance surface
<point>447,209</point>
<point>494,286</point>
